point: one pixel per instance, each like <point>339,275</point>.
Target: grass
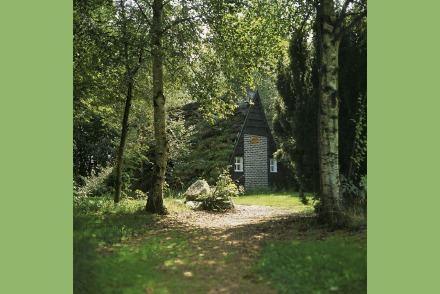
<point>282,200</point>
<point>120,249</point>
<point>333,265</point>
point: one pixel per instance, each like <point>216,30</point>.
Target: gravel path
<point>241,215</point>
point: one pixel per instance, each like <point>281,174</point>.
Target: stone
<point>195,205</point>
<point>197,190</point>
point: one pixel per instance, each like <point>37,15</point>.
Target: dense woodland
<point>156,85</point>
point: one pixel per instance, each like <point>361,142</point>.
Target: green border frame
<point>402,142</point>
<point>36,147</point>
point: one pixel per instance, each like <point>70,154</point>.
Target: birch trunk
<point>155,197</point>
<point>328,115</point>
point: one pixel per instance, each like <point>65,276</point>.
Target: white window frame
<point>273,165</point>
<point>238,164</point>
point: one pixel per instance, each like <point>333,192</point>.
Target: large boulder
<point>197,190</point>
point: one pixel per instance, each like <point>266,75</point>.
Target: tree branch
<point>179,21</point>
<point>304,22</point>
<point>344,8</point>
<point>143,13</point>
<point>355,21</point>
<point>344,13</point>
<point>166,2</point>
<point>354,13</point>
<point>139,63</point>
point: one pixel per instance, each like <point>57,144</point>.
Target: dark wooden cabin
<point>252,162</point>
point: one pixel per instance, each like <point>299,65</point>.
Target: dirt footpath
<point>241,215</point>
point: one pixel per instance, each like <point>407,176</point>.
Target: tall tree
<point>96,73</point>
<point>311,84</point>
<point>109,42</point>
<point>328,127</point>
<point>155,198</point>
<point>200,34</point>
<point>132,47</point>
<point>331,29</point>
<point>295,122</point>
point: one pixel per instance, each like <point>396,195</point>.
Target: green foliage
<point>220,198</point>
<point>225,45</point>
<point>225,186</point>
<point>139,195</point>
<point>209,147</point>
<point>212,51</point>
<point>353,106</point>
<point>99,183</point>
<point>104,47</point>
<point>296,114</point>
<point>355,194</point>
<point>93,144</point>
<point>86,205</point>
<point>337,264</point>
<point>359,152</point>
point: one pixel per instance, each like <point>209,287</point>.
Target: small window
<point>238,165</point>
<point>273,166</point>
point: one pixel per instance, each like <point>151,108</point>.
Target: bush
<point>86,205</point>
<point>96,184</point>
<point>220,198</point>
<point>139,195</point>
<point>354,194</point>
<point>102,183</point>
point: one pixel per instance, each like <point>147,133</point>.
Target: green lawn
<point>336,264</point>
<point>123,250</point>
<point>282,200</point>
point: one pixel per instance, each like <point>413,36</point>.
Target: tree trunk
<point>155,197</point>
<point>120,155</point>
<point>328,115</point>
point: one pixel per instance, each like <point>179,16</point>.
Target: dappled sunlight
<point>200,252</point>
<point>173,263</point>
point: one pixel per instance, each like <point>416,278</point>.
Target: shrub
<point>96,184</point>
<point>220,198</point>
<point>139,195</point>
<point>355,194</point>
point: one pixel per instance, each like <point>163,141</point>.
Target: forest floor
<point>241,215</point>
<point>223,245</point>
<point>204,252</point>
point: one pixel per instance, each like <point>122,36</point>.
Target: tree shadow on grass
<point>139,252</point>
<point>296,255</point>
<point>237,251</point>
<point>96,234</point>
